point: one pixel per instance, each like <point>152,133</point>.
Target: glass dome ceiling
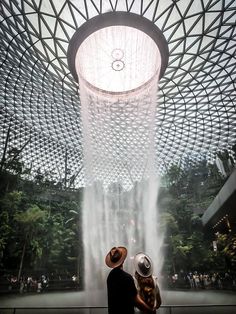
<point>40,103</point>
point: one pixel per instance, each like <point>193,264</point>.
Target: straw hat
<point>143,265</point>
<point>116,256</point>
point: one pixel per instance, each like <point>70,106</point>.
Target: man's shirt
<point>121,292</point>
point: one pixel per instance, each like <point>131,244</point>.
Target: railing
<point>164,309</point>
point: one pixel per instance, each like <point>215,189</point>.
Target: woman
<point>145,282</point>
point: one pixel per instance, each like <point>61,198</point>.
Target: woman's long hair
<point>146,289</point>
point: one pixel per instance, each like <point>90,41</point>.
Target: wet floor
<point>65,301</point>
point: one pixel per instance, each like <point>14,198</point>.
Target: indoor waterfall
<point>118,65</point>
<point>120,199</point>
<point>127,219</point>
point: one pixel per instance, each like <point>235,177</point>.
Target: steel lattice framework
<point>40,103</point>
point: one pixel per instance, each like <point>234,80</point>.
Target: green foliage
<point>11,201</point>
<point>29,218</point>
<point>9,204</point>
<point>168,224</point>
<point>226,246</point>
<point>39,224</point>
<point>187,193</point>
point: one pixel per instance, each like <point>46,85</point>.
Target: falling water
<point>128,219</point>
<point>120,199</point>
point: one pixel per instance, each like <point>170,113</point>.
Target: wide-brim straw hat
<point>143,264</point>
<point>116,256</point>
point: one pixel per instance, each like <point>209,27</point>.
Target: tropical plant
<point>29,222</point>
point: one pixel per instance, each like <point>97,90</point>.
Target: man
<point>121,291</point>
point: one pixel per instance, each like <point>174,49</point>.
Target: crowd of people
<point>190,280</point>
<point>198,280</point>
<point>38,284</point>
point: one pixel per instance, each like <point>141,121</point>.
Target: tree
<point>226,247</point>
<point>9,204</point>
<point>29,222</point>
<point>187,191</point>
<point>33,215</point>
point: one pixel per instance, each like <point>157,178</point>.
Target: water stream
<point>120,198</point>
<point>127,219</point>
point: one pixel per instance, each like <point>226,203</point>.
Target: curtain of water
<point>128,219</point>
<point>120,200</point>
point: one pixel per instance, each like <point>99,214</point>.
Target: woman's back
<point>145,282</point>
<point>146,289</point>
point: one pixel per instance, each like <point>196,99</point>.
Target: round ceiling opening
<point>117,52</point>
<point>117,59</point>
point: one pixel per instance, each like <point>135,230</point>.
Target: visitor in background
<point>145,282</point>
<point>121,291</point>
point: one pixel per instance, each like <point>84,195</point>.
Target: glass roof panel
<point>40,102</point>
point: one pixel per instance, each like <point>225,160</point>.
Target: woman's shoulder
<point>136,282</point>
<point>154,278</point>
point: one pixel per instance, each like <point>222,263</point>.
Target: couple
<point>125,292</point>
